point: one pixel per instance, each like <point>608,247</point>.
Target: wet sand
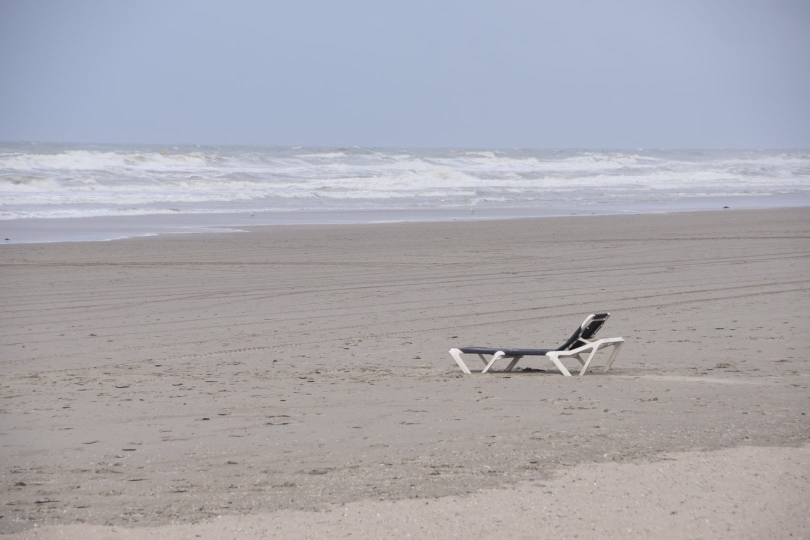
<point>288,375</point>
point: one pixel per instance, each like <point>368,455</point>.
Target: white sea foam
<point>60,181</point>
<point>76,160</point>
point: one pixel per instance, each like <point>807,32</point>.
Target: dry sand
<point>284,377</point>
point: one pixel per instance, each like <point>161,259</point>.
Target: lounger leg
<point>456,354</point>
<point>580,360</point>
<point>484,360</point>
<point>616,348</point>
<point>497,355</point>
<point>587,363</point>
<point>554,358</point>
<point>512,363</point>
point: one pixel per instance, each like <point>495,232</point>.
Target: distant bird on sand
<point>252,214</point>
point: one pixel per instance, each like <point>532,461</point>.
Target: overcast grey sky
<point>564,74</point>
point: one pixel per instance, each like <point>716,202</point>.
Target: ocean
<point>46,188</point>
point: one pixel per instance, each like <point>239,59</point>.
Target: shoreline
<point>175,379</point>
<point>108,228</point>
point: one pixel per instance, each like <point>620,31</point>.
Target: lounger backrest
<point>587,330</point>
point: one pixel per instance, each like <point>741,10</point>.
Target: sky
<point>479,74</point>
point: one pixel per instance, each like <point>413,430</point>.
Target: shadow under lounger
<point>579,343</point>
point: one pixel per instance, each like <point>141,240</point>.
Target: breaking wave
<point>59,181</point>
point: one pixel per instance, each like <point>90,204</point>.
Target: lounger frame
<point>590,348</point>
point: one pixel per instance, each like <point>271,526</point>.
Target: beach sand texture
<point>268,375</point>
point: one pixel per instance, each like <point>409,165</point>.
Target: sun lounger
<point>581,342</point>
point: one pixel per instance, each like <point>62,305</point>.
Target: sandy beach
<point>294,381</point>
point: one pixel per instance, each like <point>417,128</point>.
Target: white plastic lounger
<point>581,342</point>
